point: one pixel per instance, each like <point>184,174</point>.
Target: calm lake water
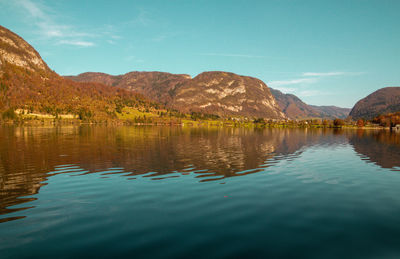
<point>149,192</point>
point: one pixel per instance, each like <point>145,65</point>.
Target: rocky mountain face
<point>26,82</point>
<point>16,51</point>
<point>225,93</point>
<point>158,86</point>
<point>382,101</point>
<point>213,92</point>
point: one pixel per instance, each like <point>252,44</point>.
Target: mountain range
<point>26,82</point>
<point>213,92</point>
<point>295,108</point>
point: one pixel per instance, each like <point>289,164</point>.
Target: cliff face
<point>214,92</point>
<point>16,51</point>
<point>385,100</point>
<point>295,108</point>
<point>225,93</point>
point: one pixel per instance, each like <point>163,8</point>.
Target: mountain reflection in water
<point>380,147</point>
<point>28,156</point>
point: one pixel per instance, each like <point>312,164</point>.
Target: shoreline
<point>221,124</point>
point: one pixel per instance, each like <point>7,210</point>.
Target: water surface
<point>170,192</point>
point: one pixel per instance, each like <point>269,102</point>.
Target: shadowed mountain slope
<point>295,108</point>
<point>382,101</point>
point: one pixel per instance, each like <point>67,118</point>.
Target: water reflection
<point>380,147</point>
<point>28,156</point>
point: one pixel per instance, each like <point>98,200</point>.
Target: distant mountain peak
<point>295,108</point>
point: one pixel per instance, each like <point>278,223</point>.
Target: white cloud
<point>76,43</point>
<point>307,78</point>
<point>278,83</point>
<point>43,18</point>
<point>33,9</point>
<point>285,90</point>
<point>323,74</point>
<point>308,93</point>
<point>300,85</point>
<point>318,74</point>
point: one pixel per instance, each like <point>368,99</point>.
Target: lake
<point>173,192</point>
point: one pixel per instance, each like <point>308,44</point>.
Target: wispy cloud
<point>301,86</point>
<point>301,93</point>
<point>33,9</point>
<point>308,78</point>
<point>325,74</point>
<point>43,18</point>
<point>165,35</point>
<point>134,59</point>
<point>143,18</point>
<point>111,42</point>
<point>285,90</point>
<point>308,93</point>
<point>76,43</point>
<point>232,55</point>
<point>278,83</point>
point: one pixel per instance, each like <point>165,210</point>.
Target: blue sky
<point>325,52</point>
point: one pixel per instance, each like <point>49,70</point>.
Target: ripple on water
<point>161,192</point>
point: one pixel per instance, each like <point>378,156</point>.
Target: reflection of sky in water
<point>32,157</point>
<point>151,192</point>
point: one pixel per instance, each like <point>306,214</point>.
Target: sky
<point>325,52</point>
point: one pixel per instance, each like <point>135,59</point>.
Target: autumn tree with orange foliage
<point>388,120</point>
<point>46,92</point>
<point>360,123</point>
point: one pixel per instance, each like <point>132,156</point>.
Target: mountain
<point>382,101</point>
<point>225,93</point>
<point>26,82</point>
<point>214,92</point>
<point>331,112</point>
<point>16,51</point>
<point>157,86</point>
<point>295,108</point>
